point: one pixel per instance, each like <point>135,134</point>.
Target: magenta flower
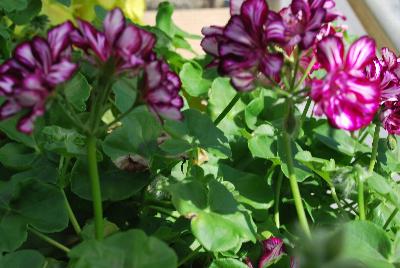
<point>127,45</point>
<point>390,117</point>
<point>162,90</point>
<point>30,77</point>
<point>387,72</point>
<point>346,96</point>
<point>241,48</point>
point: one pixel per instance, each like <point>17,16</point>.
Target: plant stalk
<point>95,187</point>
<point>49,240</point>
<point>227,109</point>
<point>278,199</point>
<point>294,185</point>
<point>391,217</point>
<point>71,215</point>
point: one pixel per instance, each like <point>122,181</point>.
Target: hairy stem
<point>95,187</point>
<point>227,109</point>
<point>49,240</point>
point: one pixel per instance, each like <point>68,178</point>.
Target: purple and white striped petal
<point>330,53</point>
<point>42,50</point>
<point>95,40</point>
<point>26,123</point>
<point>61,72</point>
<point>130,40</point>
<point>389,57</point>
<point>113,25</point>
<point>254,14</point>
<point>361,53</point>
<point>236,31</point>
<point>8,109</point>
<point>243,81</point>
<point>23,53</point>
<point>58,38</point>
<point>274,29</point>
<point>7,84</point>
<point>271,66</point>
<point>317,20</point>
<point>273,250</point>
<point>169,112</point>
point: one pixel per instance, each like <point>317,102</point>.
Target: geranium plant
<point>277,147</point>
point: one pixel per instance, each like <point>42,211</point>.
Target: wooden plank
<point>371,24</point>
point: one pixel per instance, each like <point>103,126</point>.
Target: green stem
<point>163,211</point>
<point>49,240</point>
<point>361,199</point>
<point>391,217</point>
<point>190,256</point>
<point>294,185</point>
<point>306,73</point>
<point>71,215</point>
<point>277,199</point>
<point>336,198</point>
<point>227,109</point>
<point>95,187</point>
<point>305,111</point>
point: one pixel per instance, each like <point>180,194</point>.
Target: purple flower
<point>346,96</point>
<point>241,48</point>
<point>32,74</point>
<point>387,72</point>
<point>303,20</point>
<point>273,251</point>
<point>162,88</point>
<point>390,117</point>
<point>126,44</point>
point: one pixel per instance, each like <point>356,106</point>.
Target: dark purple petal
<point>58,38</point>
<point>243,81</point>
<point>254,14</point>
<point>212,30</point>
<point>302,6</point>
<point>235,6</point>
<point>234,49</point>
<point>210,45</point>
<point>61,72</point>
<point>113,24</point>
<point>271,66</point>
<point>236,31</point>
<point>308,40</point>
<point>169,112</point>
<point>9,108</point>
<point>275,30</point>
<point>330,53</point>
<point>23,53</point>
<point>361,53</point>
<point>390,117</point>
<point>316,22</point>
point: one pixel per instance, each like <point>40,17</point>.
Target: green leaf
<point>12,5</point>
<point>367,243</point>
<point>138,135</point>
<point>116,184</point>
<point>253,109</point>
<point>389,159</point>
<point>88,231</point>
<point>131,249</point>
<point>176,146</point>
<point>66,142</point>
<point>387,190</point>
<point>192,80</point>
<point>26,14</point>
<point>252,189</point>
<point>227,263</point>
<point>77,92</point>
<point>217,220</point>
<point>339,140</point>
<point>263,144</point>
<point>192,129</point>
<point>31,202</point>
<point>320,166</point>
<point>125,93</point>
<point>17,156</point>
<point>22,258</point>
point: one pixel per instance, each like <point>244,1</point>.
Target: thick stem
<point>227,109</point>
<point>278,199</point>
<point>49,240</point>
<point>294,186</point>
<point>95,187</point>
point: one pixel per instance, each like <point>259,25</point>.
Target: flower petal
<point>113,24</point>
<point>26,124</point>
<point>271,66</point>
<point>273,250</point>
<point>254,14</point>
<point>210,45</point>
<point>130,40</point>
<point>236,31</point>
<point>58,38</point>
<point>167,111</point>
<point>361,53</point>
<point>61,72</point>
<point>9,108</point>
<point>330,52</point>
<point>316,21</point>
<point>23,53</point>
<point>95,40</point>
<point>42,50</point>
<point>235,6</point>
<point>275,30</point>
<point>243,81</point>
<point>389,57</point>
<point>7,84</point>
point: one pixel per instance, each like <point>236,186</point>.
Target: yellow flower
<point>85,9</point>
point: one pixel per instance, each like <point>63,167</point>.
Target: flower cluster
<point>32,74</point>
<point>245,49</point>
<point>386,72</point>
<point>39,66</point>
